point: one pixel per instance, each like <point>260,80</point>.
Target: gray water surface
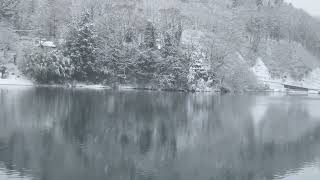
<point>63,134</point>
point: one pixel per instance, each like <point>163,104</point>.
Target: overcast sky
<point>311,6</point>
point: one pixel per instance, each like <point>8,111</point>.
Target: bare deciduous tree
<point>7,7</point>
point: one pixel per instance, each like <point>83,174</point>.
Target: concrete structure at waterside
<point>309,84</point>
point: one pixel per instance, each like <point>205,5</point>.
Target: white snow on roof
<point>47,44</point>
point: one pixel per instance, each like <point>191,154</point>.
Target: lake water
<point>61,134</point>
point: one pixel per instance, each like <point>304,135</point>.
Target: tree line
<point>141,41</point>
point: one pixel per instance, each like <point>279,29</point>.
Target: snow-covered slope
<point>312,80</point>
<point>261,71</point>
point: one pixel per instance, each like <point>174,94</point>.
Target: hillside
<point>220,40</point>
<point>282,30</point>
<point>275,32</point>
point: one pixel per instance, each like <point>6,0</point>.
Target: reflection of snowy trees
<point>86,135</point>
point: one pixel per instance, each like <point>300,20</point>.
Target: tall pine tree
<point>81,47</point>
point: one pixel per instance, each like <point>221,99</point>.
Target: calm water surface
<point>60,134</point>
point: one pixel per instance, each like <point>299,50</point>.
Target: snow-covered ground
<point>15,78</point>
<point>263,75</point>
<point>16,82</point>
<point>311,81</point>
<point>93,86</point>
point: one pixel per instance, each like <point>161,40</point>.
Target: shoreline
<point>98,87</point>
<point>129,88</point>
<point>79,86</point>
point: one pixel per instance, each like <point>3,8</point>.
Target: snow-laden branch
<point>7,7</point>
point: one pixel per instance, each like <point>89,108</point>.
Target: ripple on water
<point>6,174</point>
<point>310,171</point>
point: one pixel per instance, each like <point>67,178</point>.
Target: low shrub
<point>48,67</point>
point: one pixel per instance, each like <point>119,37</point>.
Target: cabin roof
<point>47,44</point>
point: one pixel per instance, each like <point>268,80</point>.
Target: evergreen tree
<point>81,47</point>
<point>170,46</point>
<point>146,66</point>
<point>3,71</point>
<point>166,50</point>
<point>172,39</point>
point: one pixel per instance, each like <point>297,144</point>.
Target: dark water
<point>57,134</point>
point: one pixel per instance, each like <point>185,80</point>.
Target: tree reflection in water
<point>55,133</point>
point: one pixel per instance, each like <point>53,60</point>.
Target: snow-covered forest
<point>168,44</point>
